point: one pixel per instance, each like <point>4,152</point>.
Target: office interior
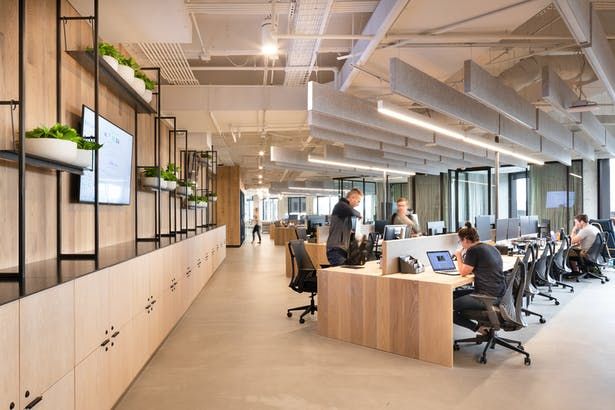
<point>168,170</point>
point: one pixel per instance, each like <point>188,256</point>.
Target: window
<point>296,205</point>
<point>472,195</point>
<point>324,204</point>
<point>517,188</point>
<point>249,213</point>
<point>269,210</point>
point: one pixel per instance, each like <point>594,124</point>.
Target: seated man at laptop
<point>485,262</point>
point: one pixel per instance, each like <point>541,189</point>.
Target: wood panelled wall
<point>116,222</point>
<point>228,206</point>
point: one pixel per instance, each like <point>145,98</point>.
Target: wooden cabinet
<point>122,280</point>
<point>91,313</point>
<point>47,339</point>
<point>92,380</point>
<point>59,396</point>
<point>9,352</point>
<point>122,370</point>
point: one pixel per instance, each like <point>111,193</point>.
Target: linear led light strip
<point>357,166</point>
<point>422,121</point>
<point>300,188</point>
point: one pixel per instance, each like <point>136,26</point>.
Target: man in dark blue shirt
<point>341,225</point>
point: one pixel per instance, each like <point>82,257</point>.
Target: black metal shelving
<point>40,162</point>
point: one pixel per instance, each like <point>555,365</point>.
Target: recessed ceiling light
<point>357,166</point>
<point>260,167</point>
<point>261,153</point>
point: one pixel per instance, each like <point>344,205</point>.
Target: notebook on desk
<point>442,262</point>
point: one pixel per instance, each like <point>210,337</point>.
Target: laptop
<point>442,262</point>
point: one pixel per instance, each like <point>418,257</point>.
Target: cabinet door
<point>59,396</point>
<point>121,293</point>
<point>92,380</point>
<point>121,370</point>
<point>91,313</point>
<point>139,344</point>
<point>141,291</point>
<point>9,354</point>
<point>47,338</point>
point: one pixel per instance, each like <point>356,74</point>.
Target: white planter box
<point>184,191</point>
<point>147,95</point>
<point>127,73</point>
<point>171,185</point>
<point>152,182</point>
<point>85,158</point>
<point>138,85</point>
<point>192,204</point>
<point>53,149</point>
<point>201,205</point>
<point>111,61</point>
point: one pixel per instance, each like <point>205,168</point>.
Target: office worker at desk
<point>485,262</point>
<point>341,226</point>
<point>582,238</point>
<point>401,217</point>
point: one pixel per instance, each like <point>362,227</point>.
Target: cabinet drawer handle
<point>34,402</point>
<point>105,343</point>
<point>117,332</point>
<point>148,306</point>
<point>153,302</point>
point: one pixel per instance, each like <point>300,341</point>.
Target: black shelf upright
<point>61,22</point>
<point>172,195</point>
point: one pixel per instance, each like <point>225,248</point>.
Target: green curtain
<point>428,199</point>
<point>546,180</point>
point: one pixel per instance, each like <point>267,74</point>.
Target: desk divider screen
<point>417,247</point>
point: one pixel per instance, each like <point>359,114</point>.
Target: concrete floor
<point>235,349</point>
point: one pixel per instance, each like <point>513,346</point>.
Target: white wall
<point>503,199</point>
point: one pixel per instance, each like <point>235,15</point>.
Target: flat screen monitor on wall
<point>557,199</point>
<point>115,161</point>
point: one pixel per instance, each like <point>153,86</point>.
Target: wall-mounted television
<point>557,199</point>
<point>115,161</point>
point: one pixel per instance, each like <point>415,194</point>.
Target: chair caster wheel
<point>482,360</point>
<point>456,347</point>
<point>521,347</point>
<point>607,279</point>
<point>602,282</point>
<point>301,320</point>
<point>527,361</point>
<point>571,290</point>
<point>289,314</point>
<point>543,320</point>
<point>557,303</point>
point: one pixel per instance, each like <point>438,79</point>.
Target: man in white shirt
<point>582,238</point>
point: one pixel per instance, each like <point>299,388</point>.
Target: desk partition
<point>417,247</point>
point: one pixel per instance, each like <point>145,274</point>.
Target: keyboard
<point>452,272</point>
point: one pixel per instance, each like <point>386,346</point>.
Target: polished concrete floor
<point>236,349</point>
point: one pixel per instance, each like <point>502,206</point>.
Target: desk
<point>282,235</point>
<point>410,315</point>
<point>317,253</point>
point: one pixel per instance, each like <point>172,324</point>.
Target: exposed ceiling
<point>219,82</point>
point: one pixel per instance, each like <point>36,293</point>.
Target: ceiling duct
<point>311,17</point>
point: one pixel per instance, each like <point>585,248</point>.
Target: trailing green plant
<point>170,173</point>
<point>106,49</point>
<point>88,145</point>
<point>128,61</point>
<point>149,84</point>
<point>186,183</point>
<point>193,198</point>
<point>151,172</point>
<point>212,194</point>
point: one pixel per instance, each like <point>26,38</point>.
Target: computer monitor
<point>435,227</point>
<point>529,225</point>
<point>379,226</point>
<point>501,229</point>
<point>293,217</point>
<point>534,221</point>
<point>392,232</point>
<point>483,226</point>
<point>513,228</point>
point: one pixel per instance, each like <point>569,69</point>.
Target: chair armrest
<point>324,266</point>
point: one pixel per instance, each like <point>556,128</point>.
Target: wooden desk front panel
<point>407,317</point>
<point>317,253</point>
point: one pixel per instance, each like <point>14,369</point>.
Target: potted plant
<point>170,176</point>
<point>192,201</point>
<point>58,143</point>
<point>138,83</point>
<point>201,202</point>
<point>149,89</point>
<point>84,152</point>
<point>108,53</point>
<point>126,68</point>
<point>151,178</point>
<point>213,196</point>
<point>185,187</point>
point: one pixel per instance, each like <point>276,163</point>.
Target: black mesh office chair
<point>558,266</point>
<point>541,276</point>
<point>301,233</point>
<point>591,264</point>
<point>606,227</point>
<point>303,278</point>
<point>529,263</point>
<point>374,238</point>
<point>504,314</point>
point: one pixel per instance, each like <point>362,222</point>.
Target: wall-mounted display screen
<point>115,159</point>
<point>556,199</point>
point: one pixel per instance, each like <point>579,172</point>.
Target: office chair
<point>558,266</point>
<point>301,233</point>
<point>591,264</point>
<point>541,272</point>
<point>374,238</point>
<point>606,226</point>
<point>504,314</point>
<point>529,263</point>
<point>302,280</point>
